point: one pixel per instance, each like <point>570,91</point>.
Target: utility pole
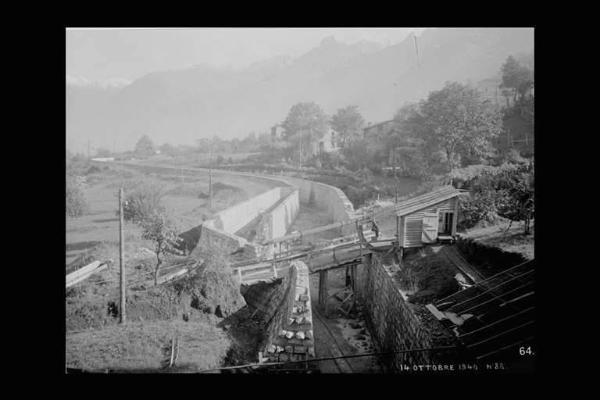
<point>300,154</point>
<point>88,148</point>
<point>210,193</point>
<point>123,316</point>
<point>395,181</point>
<point>417,51</point>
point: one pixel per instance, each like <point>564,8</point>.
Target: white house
<point>327,144</point>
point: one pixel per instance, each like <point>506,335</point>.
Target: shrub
<point>93,170</point>
<point>506,191</point>
<point>76,204</point>
<point>141,202</point>
<point>475,208</point>
<point>214,289</point>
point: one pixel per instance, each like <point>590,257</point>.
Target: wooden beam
<point>402,231</point>
<point>323,290</point>
<point>455,218</point>
<point>81,277</point>
<point>335,266</point>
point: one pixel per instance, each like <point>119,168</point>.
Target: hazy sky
<point>105,54</point>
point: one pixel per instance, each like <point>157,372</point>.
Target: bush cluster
<point>141,202</point>
<point>76,203</point>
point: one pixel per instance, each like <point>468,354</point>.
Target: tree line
<point>454,128</point>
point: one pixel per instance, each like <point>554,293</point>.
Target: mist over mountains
<point>181,106</point>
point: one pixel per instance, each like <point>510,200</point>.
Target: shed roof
<point>425,200</point>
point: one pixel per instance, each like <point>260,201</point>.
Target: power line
<point>417,51</point>
<point>327,358</point>
<point>287,362</point>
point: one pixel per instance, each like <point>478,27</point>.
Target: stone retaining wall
<point>277,221</point>
<point>222,228</point>
<point>289,334</point>
<point>395,323</point>
<point>325,197</point>
<point>234,218</point>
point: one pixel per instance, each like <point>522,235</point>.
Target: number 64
<point>523,350</point>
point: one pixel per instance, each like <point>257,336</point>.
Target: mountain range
<point>181,106</point>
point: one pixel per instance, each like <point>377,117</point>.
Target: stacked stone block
<point>289,335</point>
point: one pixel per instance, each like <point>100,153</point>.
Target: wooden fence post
<point>123,287</point>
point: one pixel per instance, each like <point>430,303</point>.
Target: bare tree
<point>160,229</point>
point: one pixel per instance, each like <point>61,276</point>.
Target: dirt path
<point>326,345</point>
<point>336,335</point>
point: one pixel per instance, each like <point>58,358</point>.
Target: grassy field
<point>145,347</point>
<point>193,309</point>
<point>513,240</point>
<point>186,199</point>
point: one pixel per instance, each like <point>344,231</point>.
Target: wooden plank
<point>83,270</point>
<point>436,313</point>
<point>402,231</point>
<point>430,228</point>
<point>84,277</point>
<point>455,217</point>
<point>171,276</point>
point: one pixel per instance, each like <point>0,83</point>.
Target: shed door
<point>430,228</point>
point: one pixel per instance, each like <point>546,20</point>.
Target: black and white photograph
<point>300,200</point>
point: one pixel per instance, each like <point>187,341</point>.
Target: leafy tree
<point>76,204</point>
<point>507,191</point>
<point>411,162</point>
<point>515,76</point>
<point>204,145</point>
<point>404,142</point>
<point>144,147</point>
<point>264,141</point>
<point>304,123</point>
<point>348,123</point>
<point>141,202</point>
<point>102,152</point>
<point>516,199</point>
<point>359,154</point>
<point>454,123</point>
<point>160,229</point>
<point>168,149</point>
<point>405,114</point>
<point>480,205</point>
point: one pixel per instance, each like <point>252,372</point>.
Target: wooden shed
<point>426,218</point>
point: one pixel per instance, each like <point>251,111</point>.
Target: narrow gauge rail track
<point>342,365</point>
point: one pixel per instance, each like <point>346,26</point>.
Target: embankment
<point>489,260</point>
